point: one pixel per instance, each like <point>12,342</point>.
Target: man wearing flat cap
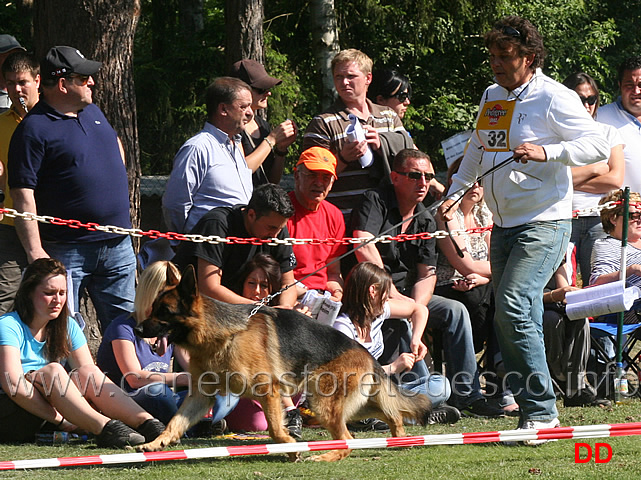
<point>65,160</point>
<point>263,145</point>
<point>8,45</point>
<point>315,217</point>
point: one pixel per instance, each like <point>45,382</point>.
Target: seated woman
<point>260,277</point>
<point>141,366</point>
<point>467,278</point>
<point>366,305</point>
<point>35,341</point>
<point>606,254</point>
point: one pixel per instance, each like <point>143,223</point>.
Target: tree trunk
<point>325,45</point>
<point>191,18</point>
<point>244,31</point>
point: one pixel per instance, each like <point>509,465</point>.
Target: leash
<point>457,196</point>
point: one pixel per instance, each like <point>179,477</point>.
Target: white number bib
<point>493,127</point>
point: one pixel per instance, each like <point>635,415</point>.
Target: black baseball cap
<point>8,43</point>
<point>63,61</point>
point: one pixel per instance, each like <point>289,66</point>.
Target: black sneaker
<point>294,423</point>
<point>368,425</point>
<point>116,434</point>
<point>586,399</point>
<point>481,408</point>
<point>444,414</point>
<point>150,429</point>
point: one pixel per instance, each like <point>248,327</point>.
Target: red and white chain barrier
<point>153,234</point>
<point>560,433</point>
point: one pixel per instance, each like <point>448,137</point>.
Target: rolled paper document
<point>596,301</point>
<point>355,132</point>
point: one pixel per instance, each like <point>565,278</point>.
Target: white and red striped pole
<point>586,431</point>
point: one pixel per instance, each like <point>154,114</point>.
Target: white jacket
<point>548,114</point>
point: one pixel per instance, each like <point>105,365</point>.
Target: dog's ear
<point>172,279</point>
<point>188,286</point>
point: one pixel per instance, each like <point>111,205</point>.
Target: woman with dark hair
<point>593,181</point>
<point>528,117</point>
<point>37,392</point>
<point>391,89</point>
<point>259,277</point>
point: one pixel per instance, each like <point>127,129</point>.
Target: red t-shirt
<point>326,222</point>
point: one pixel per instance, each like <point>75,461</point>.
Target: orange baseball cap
<point>318,158</point>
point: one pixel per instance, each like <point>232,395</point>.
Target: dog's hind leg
<point>331,412</point>
<point>190,412</point>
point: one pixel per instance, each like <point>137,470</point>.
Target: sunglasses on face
<point>416,176</point>
<point>82,79</point>
<point>634,217</point>
<point>260,91</point>
<point>591,100</point>
<point>401,96</point>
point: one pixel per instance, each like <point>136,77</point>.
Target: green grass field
<point>484,461</point>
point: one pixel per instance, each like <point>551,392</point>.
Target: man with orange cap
<point>315,217</point>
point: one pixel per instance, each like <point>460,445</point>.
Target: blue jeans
<point>585,231</point>
<point>161,402</point>
<point>107,269</point>
<point>523,259</point>
<point>419,379</point>
<point>453,321</point>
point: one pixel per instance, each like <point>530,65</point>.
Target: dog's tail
<point>393,400</point>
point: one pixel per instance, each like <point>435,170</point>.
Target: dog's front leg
<point>273,409</point>
<point>190,412</point>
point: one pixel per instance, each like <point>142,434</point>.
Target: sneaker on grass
<point>368,425</point>
<point>294,423</point>
<point>482,409</point>
<point>538,425</point>
<point>116,434</point>
<point>150,429</point>
<point>444,414</point>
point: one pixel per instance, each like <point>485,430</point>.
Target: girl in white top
<point>366,305</point>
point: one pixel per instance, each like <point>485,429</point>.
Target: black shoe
<point>586,399</point>
<point>368,425</point>
<point>294,423</point>
<point>444,414</point>
<point>116,434</point>
<point>481,408</point>
<point>150,429</point>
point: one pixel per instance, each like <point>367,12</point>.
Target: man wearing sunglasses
<point>412,265</point>
<point>625,115</point>
<point>65,160</point>
<point>384,132</point>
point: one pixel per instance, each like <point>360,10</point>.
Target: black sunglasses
<point>510,31</point>
<point>416,176</point>
<point>261,91</point>
<point>591,100</point>
<point>401,96</point>
<point>634,216</point>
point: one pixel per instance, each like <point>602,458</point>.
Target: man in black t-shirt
<point>412,265</point>
<point>217,265</point>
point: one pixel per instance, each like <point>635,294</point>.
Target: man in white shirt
<point>625,115</point>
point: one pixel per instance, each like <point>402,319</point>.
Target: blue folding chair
<point>603,366</point>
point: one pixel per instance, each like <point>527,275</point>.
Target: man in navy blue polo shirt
<point>65,160</point>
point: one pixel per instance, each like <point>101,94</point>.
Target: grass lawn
<point>484,461</point>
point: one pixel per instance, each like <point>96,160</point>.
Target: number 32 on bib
<point>493,126</point>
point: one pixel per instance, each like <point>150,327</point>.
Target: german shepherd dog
<point>273,352</point>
